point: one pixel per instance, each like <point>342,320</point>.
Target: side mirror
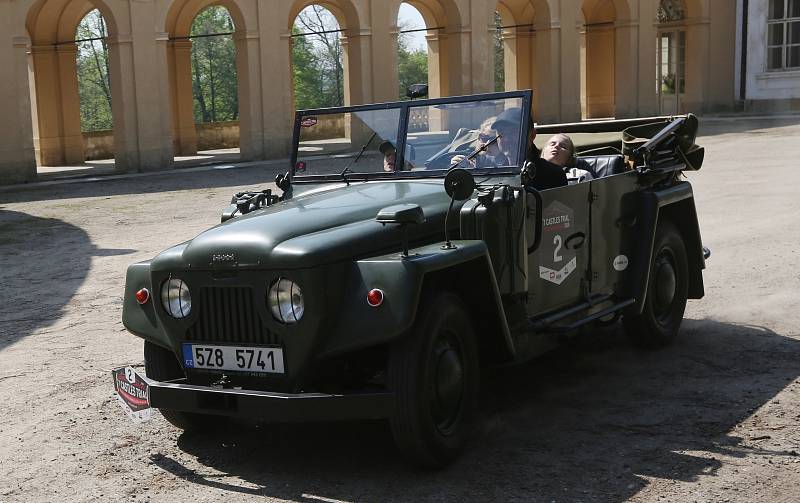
<point>402,215</point>
<point>459,184</point>
<point>417,91</point>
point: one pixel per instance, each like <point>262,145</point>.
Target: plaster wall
<point>761,83</point>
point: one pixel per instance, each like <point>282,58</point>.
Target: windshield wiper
<point>358,156</point>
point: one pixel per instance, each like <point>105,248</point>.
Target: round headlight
<point>285,300</point>
<point>175,298</point>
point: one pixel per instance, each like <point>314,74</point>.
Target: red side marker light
<point>375,297</point>
<point>142,296</point>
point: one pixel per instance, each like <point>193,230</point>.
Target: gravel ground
<point>714,417</point>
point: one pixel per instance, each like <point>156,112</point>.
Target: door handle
<point>627,221</point>
<point>580,237</point>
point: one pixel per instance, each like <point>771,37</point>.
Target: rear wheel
<point>160,364</point>
<point>435,375</point>
<point>667,290</point>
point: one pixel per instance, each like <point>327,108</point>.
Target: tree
<point>412,64</point>
<point>307,81</point>
<point>317,59</point>
<point>94,88</point>
<point>214,81</point>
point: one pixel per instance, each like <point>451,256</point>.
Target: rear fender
<point>676,204</point>
<point>466,270</point>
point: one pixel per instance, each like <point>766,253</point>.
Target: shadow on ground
<point>253,177</point>
<point>43,262</point>
<point>586,423</point>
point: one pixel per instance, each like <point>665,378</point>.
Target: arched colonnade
<point>582,58</point>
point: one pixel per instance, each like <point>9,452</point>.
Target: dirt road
<point>712,418</point>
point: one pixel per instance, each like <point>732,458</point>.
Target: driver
<point>537,172</point>
<point>491,156</point>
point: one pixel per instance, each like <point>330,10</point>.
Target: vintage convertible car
<point>381,281</point>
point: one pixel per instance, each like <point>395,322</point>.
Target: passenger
<point>389,152</point>
<point>560,150</point>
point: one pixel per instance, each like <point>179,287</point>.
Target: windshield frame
<point>405,108</point>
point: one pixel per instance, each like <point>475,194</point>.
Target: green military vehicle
<point>383,279</point>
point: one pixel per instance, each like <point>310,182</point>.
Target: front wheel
<point>160,364</point>
<point>434,373</point>
<point>667,290</point>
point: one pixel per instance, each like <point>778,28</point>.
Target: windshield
<point>416,138</point>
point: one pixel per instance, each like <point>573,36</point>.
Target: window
<point>783,35</point>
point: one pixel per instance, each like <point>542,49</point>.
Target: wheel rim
<point>446,395</point>
<point>665,285</point>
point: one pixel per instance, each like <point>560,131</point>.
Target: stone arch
<point>443,20</point>
<point>51,26</point>
<point>178,24</point>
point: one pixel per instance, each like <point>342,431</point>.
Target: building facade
<point>583,59</point>
<point>768,55</point>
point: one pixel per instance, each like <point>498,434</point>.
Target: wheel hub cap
<point>449,385</point>
<point>665,284</point>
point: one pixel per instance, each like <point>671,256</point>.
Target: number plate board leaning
<point>235,358</point>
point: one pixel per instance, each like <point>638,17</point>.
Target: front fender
<point>402,279</point>
<point>141,320</point>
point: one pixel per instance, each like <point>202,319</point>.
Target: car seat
<point>602,165</point>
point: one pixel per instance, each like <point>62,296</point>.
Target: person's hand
<point>457,160</point>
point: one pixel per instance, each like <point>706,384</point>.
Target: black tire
<point>160,364</point>
<point>667,290</point>
<point>435,374</point>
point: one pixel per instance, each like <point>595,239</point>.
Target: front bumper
<point>266,405</point>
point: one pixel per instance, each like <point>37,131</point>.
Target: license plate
<point>235,358</point>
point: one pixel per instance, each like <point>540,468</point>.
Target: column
<point>71,135</point>
<point>252,137</point>
<point>570,71</point>
<point>383,63</point>
<point>626,68</point>
<point>697,65</point>
<point>436,85</point>
<point>546,76</point>
<point>184,133</point>
<point>48,142</point>
<point>17,159</point>
<point>274,66</point>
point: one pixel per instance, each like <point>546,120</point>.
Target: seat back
<point>602,165</point>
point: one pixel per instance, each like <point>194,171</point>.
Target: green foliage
<point>94,88</point>
<point>214,67</point>
<point>317,68</point>
<point>499,55</point>
<point>412,64</point>
<point>412,68</point>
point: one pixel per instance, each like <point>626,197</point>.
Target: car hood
<point>325,225</point>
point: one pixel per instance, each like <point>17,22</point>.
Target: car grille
<point>228,315</point>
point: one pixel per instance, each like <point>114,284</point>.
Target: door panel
<point>611,223</point>
<point>556,269</point>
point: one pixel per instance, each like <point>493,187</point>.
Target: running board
<point>546,324</point>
